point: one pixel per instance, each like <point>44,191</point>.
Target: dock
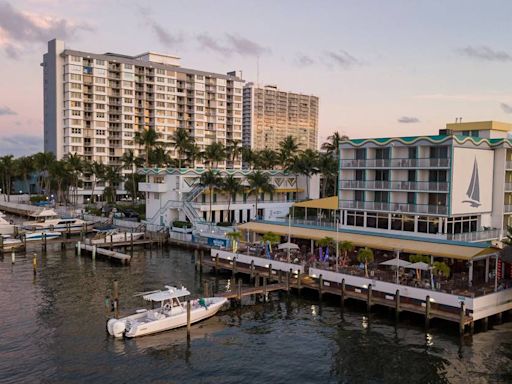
<point>266,280</point>
<point>94,250</point>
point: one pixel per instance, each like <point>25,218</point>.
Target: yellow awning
<point>289,190</point>
<point>324,203</point>
<point>452,251</point>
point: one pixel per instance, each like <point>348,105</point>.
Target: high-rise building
<point>269,115</point>
<point>95,103</point>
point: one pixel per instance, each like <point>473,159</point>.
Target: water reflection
<point>52,330</point>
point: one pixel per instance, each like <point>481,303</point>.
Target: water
<point>52,330</point>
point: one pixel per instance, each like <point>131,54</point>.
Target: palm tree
<point>43,161</point>
<point>60,175</point>
<point>96,170</point>
<point>332,145</point>
<point>7,165</point>
<point>248,157</point>
<point>287,150</point>
<point>346,247</point>
<point>159,157</point>
<point>307,165</point>
<point>266,159</point>
<point>212,181</point>
<point>233,150</point>
<point>259,182</point>
<point>75,165</point>
<point>235,237</point>
<point>193,153</point>
<point>112,177</point>
<point>327,165</point>
<point>365,255</point>
<point>232,186</point>
<point>25,166</point>
<point>133,162</point>
<point>214,153</point>
<point>148,139</point>
<point>271,237</point>
<point>182,142</point>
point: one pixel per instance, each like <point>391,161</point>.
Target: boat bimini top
<point>170,293</point>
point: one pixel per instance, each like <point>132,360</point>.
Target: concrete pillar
<point>487,269</point>
<point>312,246</point>
<point>470,274</point>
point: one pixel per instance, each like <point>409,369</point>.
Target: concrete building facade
<point>270,114</point>
<point>455,185</point>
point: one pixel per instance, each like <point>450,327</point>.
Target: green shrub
<point>181,224</point>
<point>224,224</point>
<point>37,198</point>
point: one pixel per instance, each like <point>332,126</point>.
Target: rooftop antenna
<point>460,119</point>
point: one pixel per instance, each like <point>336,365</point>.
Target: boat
<point>49,220</point>
<point>8,243</point>
<point>40,235</point>
<point>171,314</point>
<point>114,236</point>
<point>6,228</point>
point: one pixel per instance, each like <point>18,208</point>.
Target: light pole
<point>337,244</point>
<point>289,233</point>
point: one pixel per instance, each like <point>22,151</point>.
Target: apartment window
<point>160,71</point>
<point>100,115</point>
<point>438,199</point>
<point>127,92</point>
<point>437,176</point>
<point>76,86</point>
<point>382,175</point>
<point>413,152</point>
<point>360,174</point>
<point>355,218</point>
<point>99,89</point>
<point>411,198</point>
<point>100,62</point>
<point>411,175</point>
<point>75,76</point>
<point>382,153</point>
<point>76,95</point>
<point>100,141</point>
<point>99,149</point>
<point>100,80</point>
<point>76,59</point>
<point>76,140</point>
<point>462,224</point>
<point>381,196</point>
<point>358,195</point>
<point>128,66</point>
<point>76,113</point>
<point>100,106</point>
<point>160,79</point>
<point>439,152</point>
<point>76,131</point>
<point>88,70</point>
<point>100,72</point>
<point>360,153</point>
<point>100,132</point>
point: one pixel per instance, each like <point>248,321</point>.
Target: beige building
<point>269,115</point>
<point>95,103</point>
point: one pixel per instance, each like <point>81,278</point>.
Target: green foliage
<point>365,255</point>
<point>419,259</point>
<point>441,268</point>
<point>325,241</point>
<point>234,236</point>
<point>181,224</point>
<point>224,224</point>
<point>37,198</point>
<point>272,237</point>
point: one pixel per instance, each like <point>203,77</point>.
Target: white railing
<point>476,236</point>
<point>394,207</point>
<point>395,185</point>
<point>395,163</point>
<point>180,236</point>
<point>258,261</point>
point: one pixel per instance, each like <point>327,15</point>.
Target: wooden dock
<point>285,281</point>
<point>95,250</point>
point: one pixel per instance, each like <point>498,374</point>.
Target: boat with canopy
<point>171,314</point>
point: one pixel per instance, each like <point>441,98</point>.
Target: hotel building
<point>270,114</point>
<point>95,103</point>
<point>456,185</point>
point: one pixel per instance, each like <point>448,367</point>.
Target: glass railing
<point>396,185</point>
<point>395,163</point>
<point>394,207</point>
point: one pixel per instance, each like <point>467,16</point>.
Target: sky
<point>380,68</point>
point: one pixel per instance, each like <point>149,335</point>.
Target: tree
<point>325,241</point>
<point>43,161</point>
<point>441,268</point>
<point>346,247</point>
<point>193,153</point>
<point>182,143</point>
<point>307,165</point>
<point>327,166</point>
<point>75,166</point>
<point>159,157</point>
<point>148,138</point>
<point>418,258</point>
<point>508,239</point>
<point>272,238</point>
<point>214,153</point>
<point>233,150</point>
<point>266,159</point>
<point>25,166</point>
<point>112,177</point>
<point>211,180</point>
<point>365,255</point>
<point>60,176</point>
<point>132,162</point>
<point>288,147</point>
<point>332,145</point>
<point>7,165</point>
<point>259,182</point>
<point>248,157</point>
<point>232,186</point>
<point>235,237</point>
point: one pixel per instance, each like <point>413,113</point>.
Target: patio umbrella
<point>419,265</point>
<point>287,246</point>
<point>396,262</point>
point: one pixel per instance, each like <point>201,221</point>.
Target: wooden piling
<point>343,292</point>
<point>498,318</point>
<point>485,324</point>
<point>252,269</point>
<point>427,312</point>
<point>234,267</point>
<point>462,318</point>
<point>205,289</point>
<point>288,277</point>
<point>240,291</point>
<point>270,271</point>
<point>264,288</point>
<point>369,298</point>
<point>115,291</point>
<point>188,319</point>
<point>93,252</point>
<point>217,262</point>
<point>79,249</point>
<point>44,242</point>
<point>257,280</point>
<point>320,286</point>
<point>13,257</point>
<point>298,280</point>
<point>34,264</point>
<point>131,243</point>
<point>201,257</point>
<point>397,304</point>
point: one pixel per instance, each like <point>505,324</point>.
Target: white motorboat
<point>171,314</point>
<point>40,235</point>
<point>115,236</point>
<point>8,243</point>
<point>71,225</point>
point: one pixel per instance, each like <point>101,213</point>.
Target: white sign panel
<point>472,181</point>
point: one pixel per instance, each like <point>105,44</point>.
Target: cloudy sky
<point>380,68</point>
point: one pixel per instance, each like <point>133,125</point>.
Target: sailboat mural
<point>473,192</point>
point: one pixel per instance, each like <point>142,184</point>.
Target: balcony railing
<point>475,236</point>
<point>508,208</point>
<point>396,185</point>
<point>509,164</point>
<point>508,187</point>
<point>395,163</point>
<point>394,207</point>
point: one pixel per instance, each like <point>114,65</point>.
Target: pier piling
<point>342,293</point>
<point>369,298</point>
<point>320,286</point>
<point>462,315</point>
<point>115,291</point>
<point>397,305</point>
<point>188,319</point>
<point>427,312</point>
<point>13,257</point>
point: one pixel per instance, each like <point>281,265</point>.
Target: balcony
<point>509,164</point>
<point>153,187</point>
<point>508,208</point>
<point>418,186</point>
<point>395,163</point>
<point>395,207</point>
<point>508,187</point>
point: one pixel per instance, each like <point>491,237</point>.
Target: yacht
<point>41,235</point>
<point>48,223</point>
<point>170,315</point>
<point>7,243</point>
<point>114,236</point>
<point>6,228</point>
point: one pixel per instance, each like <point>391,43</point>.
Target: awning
<point>419,265</point>
<point>388,243</point>
<point>287,246</point>
<point>170,293</point>
<point>288,190</point>
<point>396,262</point>
<point>324,203</point>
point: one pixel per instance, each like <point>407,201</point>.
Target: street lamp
<point>337,243</point>
<point>289,233</point>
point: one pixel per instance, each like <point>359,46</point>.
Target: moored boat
<point>171,314</point>
<point>114,236</point>
<point>40,235</point>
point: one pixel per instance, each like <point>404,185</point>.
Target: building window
<point>382,153</point>
<point>360,174</point>
<point>413,152</point>
<point>381,197</point>
<point>439,152</point>
<point>360,153</point>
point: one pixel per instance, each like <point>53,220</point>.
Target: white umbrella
<point>288,246</point>
<point>396,262</point>
<point>419,265</point>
